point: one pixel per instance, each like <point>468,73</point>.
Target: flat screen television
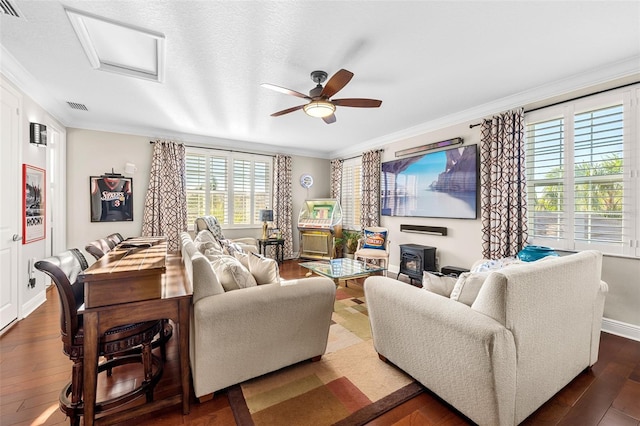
<point>436,184</point>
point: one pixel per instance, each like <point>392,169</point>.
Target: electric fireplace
<point>414,259</point>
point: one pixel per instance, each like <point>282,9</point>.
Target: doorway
<point>10,232</point>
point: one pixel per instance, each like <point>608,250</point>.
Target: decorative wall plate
<point>306,181</point>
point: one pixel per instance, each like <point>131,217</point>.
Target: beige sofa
<point>240,334</point>
<point>531,329</point>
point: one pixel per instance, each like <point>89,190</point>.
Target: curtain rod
<point>223,149</point>
<point>356,156</point>
<point>471,126</point>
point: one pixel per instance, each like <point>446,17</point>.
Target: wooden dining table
<point>137,281</point>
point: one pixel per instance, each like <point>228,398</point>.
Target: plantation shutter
<point>242,192</point>
<point>545,179</point>
<point>261,188</point>
<point>578,195</point>
<point>196,176</point>
<point>218,189</point>
<point>599,186</point>
<point>350,200</point>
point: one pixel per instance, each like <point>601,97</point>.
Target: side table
<point>277,242</point>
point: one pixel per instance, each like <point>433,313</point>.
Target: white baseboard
<point>620,328</point>
<point>34,303</point>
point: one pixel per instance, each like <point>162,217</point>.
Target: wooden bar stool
<point>121,345</point>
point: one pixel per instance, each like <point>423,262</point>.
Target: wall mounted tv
<point>435,184</point>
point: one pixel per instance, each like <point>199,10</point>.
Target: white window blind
<point>196,180</point>
<point>351,197</point>
<point>233,187</point>
<point>580,162</point>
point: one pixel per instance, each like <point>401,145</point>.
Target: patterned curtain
<point>370,214</point>
<point>282,206</point>
<point>336,179</point>
<point>165,206</point>
<point>502,176</point>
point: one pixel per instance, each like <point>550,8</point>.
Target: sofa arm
<point>245,333</point>
<point>465,357</point>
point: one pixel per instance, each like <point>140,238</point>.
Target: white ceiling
<point>429,62</point>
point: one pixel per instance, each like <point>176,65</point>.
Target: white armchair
<point>374,245</point>
<point>531,329</point>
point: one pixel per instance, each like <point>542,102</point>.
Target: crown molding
<point>30,86</point>
<point>623,69</point>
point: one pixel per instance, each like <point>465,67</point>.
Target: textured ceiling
<point>426,60</point>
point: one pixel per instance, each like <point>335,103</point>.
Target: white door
<point>10,232</point>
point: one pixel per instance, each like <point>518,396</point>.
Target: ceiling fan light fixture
<point>319,109</point>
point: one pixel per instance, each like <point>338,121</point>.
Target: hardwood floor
<point>33,369</point>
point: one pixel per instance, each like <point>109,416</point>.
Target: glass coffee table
<point>342,269</point>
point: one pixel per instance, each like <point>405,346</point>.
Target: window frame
<point>628,98</point>
<point>231,157</point>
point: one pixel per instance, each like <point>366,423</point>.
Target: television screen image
<point>437,184</point>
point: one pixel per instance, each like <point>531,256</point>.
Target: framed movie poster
<point>111,198</point>
<point>33,204</point>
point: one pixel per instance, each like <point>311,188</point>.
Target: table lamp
<point>266,215</point>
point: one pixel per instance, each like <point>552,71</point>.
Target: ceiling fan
<point>320,105</point>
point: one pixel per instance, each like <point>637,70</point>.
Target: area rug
<point>350,385</point>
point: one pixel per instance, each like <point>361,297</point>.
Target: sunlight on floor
<point>42,418</point>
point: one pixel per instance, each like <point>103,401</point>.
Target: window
<point>231,186</point>
<point>582,174</point>
<point>350,200</point>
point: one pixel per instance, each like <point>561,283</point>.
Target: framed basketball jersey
<point>111,198</point>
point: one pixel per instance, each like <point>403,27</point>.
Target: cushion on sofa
<point>468,286</point>
<point>242,257</point>
<point>263,269</point>
<point>232,274</point>
<point>439,284</point>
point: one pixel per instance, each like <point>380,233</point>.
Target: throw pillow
<point>374,239</point>
<point>439,284</point>
<point>263,269</point>
<point>243,258</point>
<point>468,286</point>
<point>231,274</point>
<point>213,250</point>
<point>493,265</point>
<point>229,247</point>
<point>203,246</point>
<point>205,235</point>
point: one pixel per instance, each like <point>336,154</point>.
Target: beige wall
<point>461,246</point>
<point>92,153</point>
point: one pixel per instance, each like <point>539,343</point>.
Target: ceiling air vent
<point>9,9</point>
<point>75,105</point>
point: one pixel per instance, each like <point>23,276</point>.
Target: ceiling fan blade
<point>287,111</point>
<point>285,90</point>
<point>357,102</point>
<point>336,83</point>
<point>329,119</point>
